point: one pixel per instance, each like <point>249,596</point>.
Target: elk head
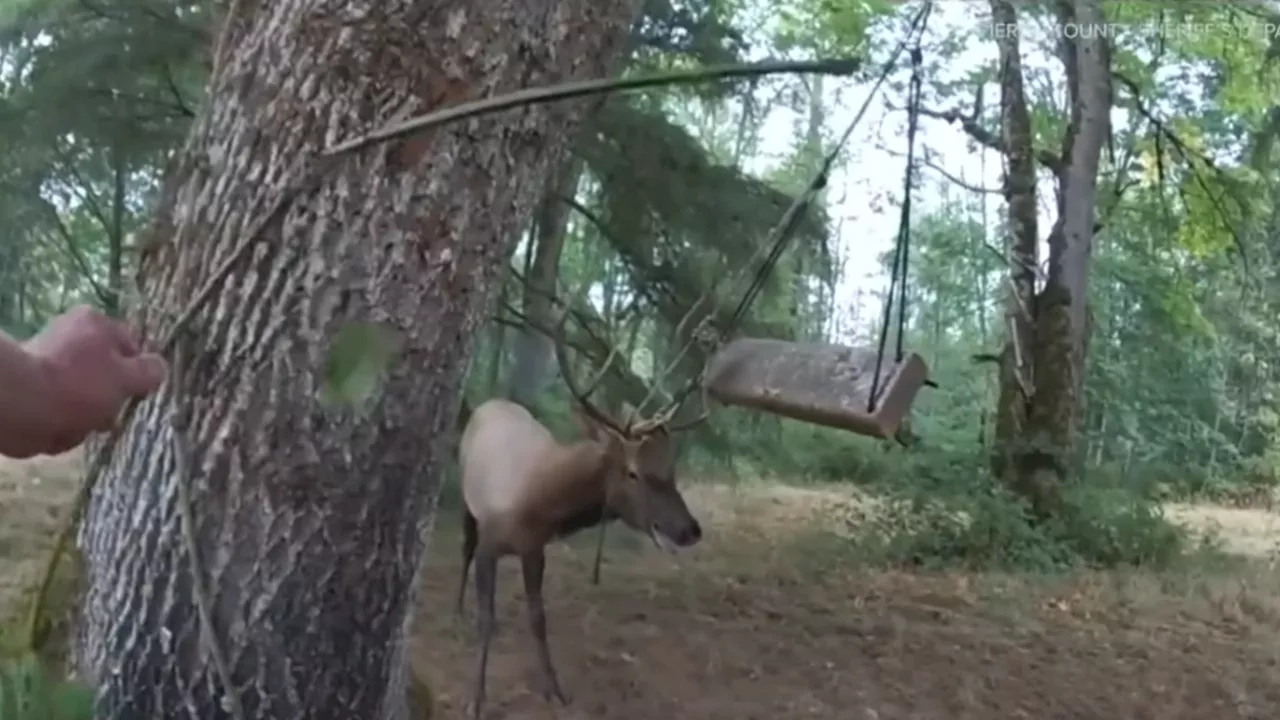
<point>640,471</point>
<point>640,483</point>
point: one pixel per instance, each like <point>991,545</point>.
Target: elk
<point>522,488</point>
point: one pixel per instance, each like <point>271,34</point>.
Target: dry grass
<point>1245,531</point>
<point>33,499</point>
<point>765,620</point>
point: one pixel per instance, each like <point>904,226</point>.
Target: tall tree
<point>1042,364</point>
<point>310,520</point>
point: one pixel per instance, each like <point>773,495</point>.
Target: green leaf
<point>29,692</point>
<point>73,701</point>
<point>32,688</point>
<point>358,356</point>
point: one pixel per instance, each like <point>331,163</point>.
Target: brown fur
<point>517,512</point>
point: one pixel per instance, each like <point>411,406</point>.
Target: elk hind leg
<point>470,538</point>
<point>486,561</point>
<point>533,565</point>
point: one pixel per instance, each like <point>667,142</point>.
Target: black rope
<point>786,230</point>
<point>902,248</point>
<point>904,224</point>
<point>790,222</point>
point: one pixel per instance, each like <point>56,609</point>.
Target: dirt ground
<point>767,621</point>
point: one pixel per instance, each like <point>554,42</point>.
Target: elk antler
<point>662,418</point>
<point>566,371</point>
<point>679,427</point>
<point>632,426</point>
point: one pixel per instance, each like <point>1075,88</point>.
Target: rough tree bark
<point>1042,365</point>
<point>311,523</point>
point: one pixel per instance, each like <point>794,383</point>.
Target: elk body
<point>522,488</point>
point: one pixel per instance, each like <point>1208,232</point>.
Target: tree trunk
<point>802,313</point>
<point>1039,411</point>
<point>532,352</point>
<point>1021,228</point>
<point>1062,327</point>
<point>311,523</point>
<point>497,347</point>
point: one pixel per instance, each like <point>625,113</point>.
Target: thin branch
<point>569,91</point>
<point>87,197</point>
<point>1019,363</point>
<point>648,290</point>
<point>985,137</point>
<point>596,221</point>
<point>178,101</point>
<point>199,589</point>
<point>521,321</point>
<point>957,181</point>
<point>69,244</point>
<point>1189,156</point>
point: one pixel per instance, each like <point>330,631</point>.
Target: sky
<point>866,189</point>
<point>865,224</point>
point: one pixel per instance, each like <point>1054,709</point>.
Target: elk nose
<point>693,534</point>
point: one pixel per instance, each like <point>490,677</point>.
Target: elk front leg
<point>486,587</point>
<point>533,566</point>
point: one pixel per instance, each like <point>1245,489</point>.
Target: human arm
<point>68,381</point>
<point>24,413</point>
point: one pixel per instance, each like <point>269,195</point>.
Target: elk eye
<point>633,475</point>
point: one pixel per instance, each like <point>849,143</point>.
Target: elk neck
<point>575,489</point>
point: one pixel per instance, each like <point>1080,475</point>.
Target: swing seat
<point>816,382</point>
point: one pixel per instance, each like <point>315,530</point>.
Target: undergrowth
<point>990,529</point>
<point>940,507</point>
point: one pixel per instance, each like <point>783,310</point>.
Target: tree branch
<point>84,186</point>
<point>1192,158</point>
<point>985,137</point>
<point>69,243</point>
<point>199,586</point>
<point>957,181</point>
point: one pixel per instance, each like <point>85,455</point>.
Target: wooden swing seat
<point>817,383</point>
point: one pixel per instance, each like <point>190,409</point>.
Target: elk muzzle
<point>670,524</point>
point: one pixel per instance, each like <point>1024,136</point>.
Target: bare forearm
<point>23,409</point>
<point>70,380</point>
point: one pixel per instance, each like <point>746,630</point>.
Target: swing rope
<point>788,225</point>
<point>902,248</point>
<point>777,244</point>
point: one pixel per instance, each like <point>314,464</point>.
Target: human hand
<point>90,365</point>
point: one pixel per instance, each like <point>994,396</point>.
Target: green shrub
<point>965,518</point>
